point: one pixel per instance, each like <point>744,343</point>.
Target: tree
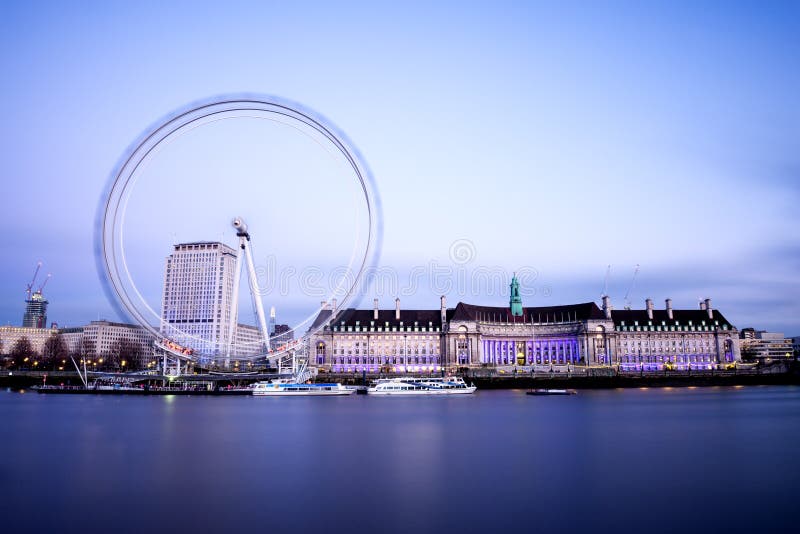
<point>22,353</point>
<point>124,355</point>
<point>54,352</point>
<point>85,349</point>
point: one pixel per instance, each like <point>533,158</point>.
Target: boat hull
<point>302,391</point>
<point>423,392</point>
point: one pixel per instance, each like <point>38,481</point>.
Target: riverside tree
<point>124,355</point>
<point>54,353</point>
<point>22,353</point>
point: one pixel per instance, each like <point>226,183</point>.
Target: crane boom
<point>605,283</point>
<point>33,280</point>
<point>633,283</point>
<point>47,279</point>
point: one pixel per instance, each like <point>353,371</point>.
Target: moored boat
<point>451,385</point>
<point>288,388</point>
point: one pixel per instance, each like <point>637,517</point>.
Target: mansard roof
<point>349,316</point>
<point>540,314</point>
<point>408,317</point>
<point>679,317</point>
<point>321,318</point>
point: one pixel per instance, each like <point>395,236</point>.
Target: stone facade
<point>483,336</point>
<point>378,340</point>
<point>9,335</point>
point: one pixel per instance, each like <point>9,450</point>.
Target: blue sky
<point>555,137</point>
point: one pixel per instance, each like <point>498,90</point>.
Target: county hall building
<point>585,334</point>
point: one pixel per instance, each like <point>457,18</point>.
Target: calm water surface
<point>656,460</point>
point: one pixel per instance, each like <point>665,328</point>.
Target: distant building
<point>271,321</point>
<point>796,346</point>
<point>766,346</point>
<point>104,335</point>
<point>198,290</point>
<point>281,334</point>
<point>35,315</point>
<point>9,335</point>
<point>248,341</point>
<point>73,338</point>
<point>747,333</point>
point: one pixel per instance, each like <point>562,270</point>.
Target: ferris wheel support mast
<point>245,250</point>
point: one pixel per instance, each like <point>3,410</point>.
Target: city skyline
<point>519,129</point>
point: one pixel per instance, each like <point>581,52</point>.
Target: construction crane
<point>633,283</point>
<point>605,283</point>
<point>41,287</point>
<point>29,289</point>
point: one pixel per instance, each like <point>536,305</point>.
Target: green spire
<point>515,302</point>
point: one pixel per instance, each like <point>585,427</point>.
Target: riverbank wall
<point>784,373</point>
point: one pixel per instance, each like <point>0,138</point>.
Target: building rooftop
<point>212,244</point>
<point>351,316</point>
<point>540,314</point>
<point>660,317</point>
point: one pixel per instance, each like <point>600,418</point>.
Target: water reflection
<point>670,459</point>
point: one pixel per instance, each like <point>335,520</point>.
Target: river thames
<point>643,460</point>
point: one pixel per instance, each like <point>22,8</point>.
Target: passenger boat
<point>290,388</point>
<point>552,392</point>
<point>450,385</point>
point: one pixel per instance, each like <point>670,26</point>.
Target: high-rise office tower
<point>198,288</point>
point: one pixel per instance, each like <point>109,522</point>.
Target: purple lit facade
<point>376,340</point>
<point>570,336</point>
<point>530,352</point>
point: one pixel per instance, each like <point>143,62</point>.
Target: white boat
<point>290,388</point>
<point>449,385</point>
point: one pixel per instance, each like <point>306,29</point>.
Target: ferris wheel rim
<point>107,223</point>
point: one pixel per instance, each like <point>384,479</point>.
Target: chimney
<point>443,306</point>
<point>669,308</point>
<point>649,305</point>
<point>333,306</point>
<point>323,305</point>
<point>375,309</point>
<point>702,305</point>
<point>607,306</point>
<point>709,308</point>
<point>397,309</point>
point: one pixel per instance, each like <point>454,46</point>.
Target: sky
<point>552,139</point>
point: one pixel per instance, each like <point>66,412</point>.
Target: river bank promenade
<point>779,373</point>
